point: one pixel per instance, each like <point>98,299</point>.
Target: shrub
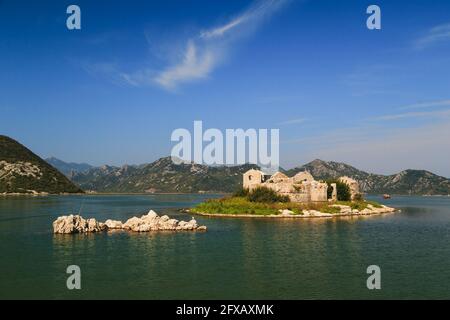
<point>343,190</point>
<point>266,195</point>
<point>241,192</point>
<point>358,197</point>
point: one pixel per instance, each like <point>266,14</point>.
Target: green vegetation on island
<point>264,201</point>
<point>343,190</point>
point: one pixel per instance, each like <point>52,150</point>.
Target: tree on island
<point>343,190</point>
<point>261,194</point>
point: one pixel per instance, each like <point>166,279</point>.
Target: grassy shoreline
<point>242,206</point>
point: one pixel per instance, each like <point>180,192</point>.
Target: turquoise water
<point>235,259</point>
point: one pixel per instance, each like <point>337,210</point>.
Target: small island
<point>300,196</point>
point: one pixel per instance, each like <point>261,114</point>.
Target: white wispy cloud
<point>110,71</point>
<point>220,31</point>
<point>435,35</point>
<point>293,121</point>
<point>205,50</point>
<point>194,66</point>
<point>253,15</point>
<point>435,104</point>
<point>405,115</point>
<point>428,104</point>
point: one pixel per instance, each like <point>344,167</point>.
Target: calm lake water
<point>235,259</point>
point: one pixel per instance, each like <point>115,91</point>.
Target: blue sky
<point>114,91</point>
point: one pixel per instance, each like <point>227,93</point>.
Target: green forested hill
<point>22,171</point>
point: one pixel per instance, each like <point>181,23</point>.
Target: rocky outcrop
<point>76,224</point>
<point>286,212</point>
<point>146,223</point>
<point>19,168</point>
<point>113,224</point>
<point>370,209</point>
<point>315,213</point>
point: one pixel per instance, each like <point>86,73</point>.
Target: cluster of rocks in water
<point>146,223</point>
<point>344,211</point>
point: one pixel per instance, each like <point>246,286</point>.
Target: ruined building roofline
<point>277,173</point>
<point>302,187</point>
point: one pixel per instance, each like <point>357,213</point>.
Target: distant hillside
<point>417,182</point>
<point>68,168</point>
<point>22,171</point>
<point>162,176</point>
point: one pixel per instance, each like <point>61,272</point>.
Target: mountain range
<point>22,171</point>
<point>164,176</point>
<point>68,168</point>
<point>416,182</point>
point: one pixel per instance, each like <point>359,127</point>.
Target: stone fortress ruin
<point>300,188</point>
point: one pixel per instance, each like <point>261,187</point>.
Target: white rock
<point>315,213</point>
<point>143,228</point>
<point>132,223</point>
<point>149,222</point>
<point>152,214</point>
<point>76,224</point>
<point>113,224</point>
<point>287,212</point>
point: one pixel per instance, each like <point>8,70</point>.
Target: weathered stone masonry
<point>300,188</point>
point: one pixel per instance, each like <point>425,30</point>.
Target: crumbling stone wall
<point>300,188</point>
<point>253,179</point>
<point>353,186</point>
